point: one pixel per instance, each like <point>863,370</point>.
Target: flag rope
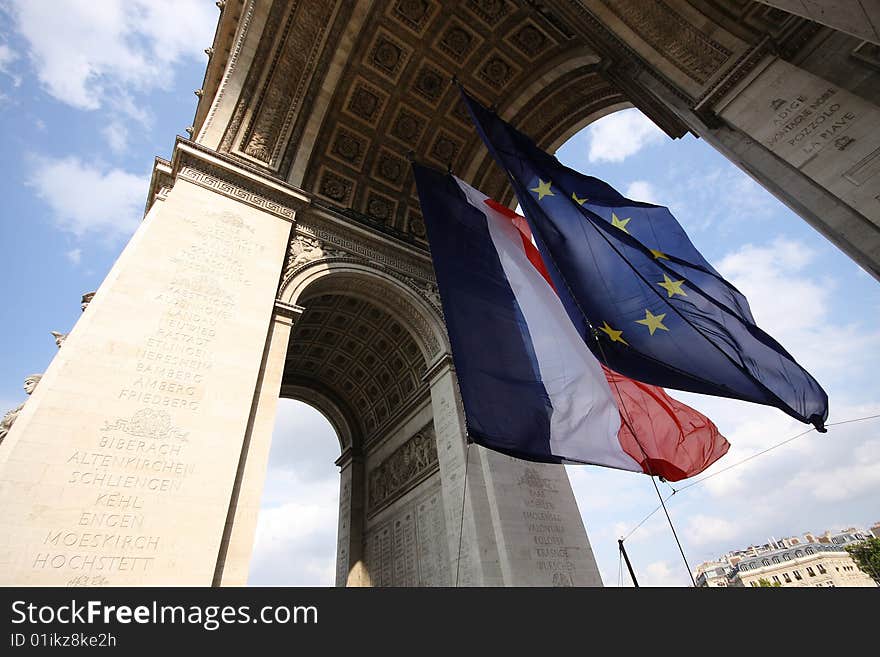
<point>467,460</point>
<point>631,426</point>
<point>745,460</point>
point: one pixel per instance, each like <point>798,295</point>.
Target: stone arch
<point>404,297</point>
<point>361,347</point>
<point>334,411</point>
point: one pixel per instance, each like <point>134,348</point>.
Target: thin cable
<point>631,426</point>
<point>674,533</point>
<point>467,460</point>
<point>619,569</point>
<point>748,458</point>
<point>738,463</point>
<point>633,531</point>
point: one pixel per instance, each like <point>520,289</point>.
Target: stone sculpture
<point>30,383</point>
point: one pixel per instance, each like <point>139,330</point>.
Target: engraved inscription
<point>550,548</point>
<point>133,463</point>
<point>410,549</point>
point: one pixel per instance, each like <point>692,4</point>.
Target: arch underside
<point>334,97</point>
<point>355,361</point>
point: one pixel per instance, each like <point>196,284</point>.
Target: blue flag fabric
<point>638,291</point>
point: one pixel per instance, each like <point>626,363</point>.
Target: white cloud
<point>662,573</point>
<point>641,190</point>
<point>791,299</point>
<point>296,529</point>
<point>116,135</point>
<point>85,52</point>
<point>614,138</point>
<point>295,542</point>
<point>85,198</point>
<point>7,56</point>
<point>74,255</point>
<point>702,529</point>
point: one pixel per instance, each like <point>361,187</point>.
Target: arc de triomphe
<point>283,254</point>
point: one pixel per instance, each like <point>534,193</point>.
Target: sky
<point>90,92</point>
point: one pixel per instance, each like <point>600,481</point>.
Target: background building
<point>810,560</point>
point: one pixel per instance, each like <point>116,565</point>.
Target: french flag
<point>530,386</point>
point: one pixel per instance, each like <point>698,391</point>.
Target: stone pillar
<point>120,469</point>
<point>468,517</point>
<point>541,536</point>
<point>350,568</point>
<point>860,18</point>
<point>234,561</point>
<point>826,132</point>
<point>522,526</point>
<point>810,143</point>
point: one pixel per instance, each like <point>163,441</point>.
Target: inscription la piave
<point>134,463</point>
<point>550,547</point>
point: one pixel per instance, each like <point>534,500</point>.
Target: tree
<point>867,557</point>
<point>765,583</point>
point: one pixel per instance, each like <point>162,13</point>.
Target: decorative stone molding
<point>303,250</point>
<point>59,338</point>
<point>409,464</point>
<point>672,36</point>
<point>744,65</point>
<point>148,423</point>
<point>232,63</point>
<point>286,83</point>
<point>213,180</point>
<point>357,245</point>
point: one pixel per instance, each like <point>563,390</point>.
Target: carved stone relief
<point>405,467</point>
<point>672,36</point>
<point>30,383</point>
<point>304,250</point>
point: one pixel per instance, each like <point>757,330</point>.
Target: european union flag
<point>641,295</point>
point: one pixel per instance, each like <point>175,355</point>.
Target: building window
<point>810,571</point>
<point>797,574</point>
<point>775,559</point>
<point>786,557</point>
<point>753,583</point>
<point>809,550</point>
<point>798,553</point>
<point>766,562</point>
<point>776,579</point>
<point>787,578</point>
<point>821,568</point>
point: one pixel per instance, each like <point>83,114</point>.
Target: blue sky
<point>91,92</point>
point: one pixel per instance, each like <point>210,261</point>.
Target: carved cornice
<point>228,69</point>
<point>289,75</point>
<point>312,226</point>
<point>672,36</point>
<point>211,177</point>
<point>744,65</point>
<point>211,170</point>
<point>623,59</point>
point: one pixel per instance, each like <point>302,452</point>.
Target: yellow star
<point>672,287</point>
<point>614,335</point>
<point>659,254</point>
<point>543,189</point>
<point>579,201</point>
<point>653,322</point>
<point>620,223</point>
